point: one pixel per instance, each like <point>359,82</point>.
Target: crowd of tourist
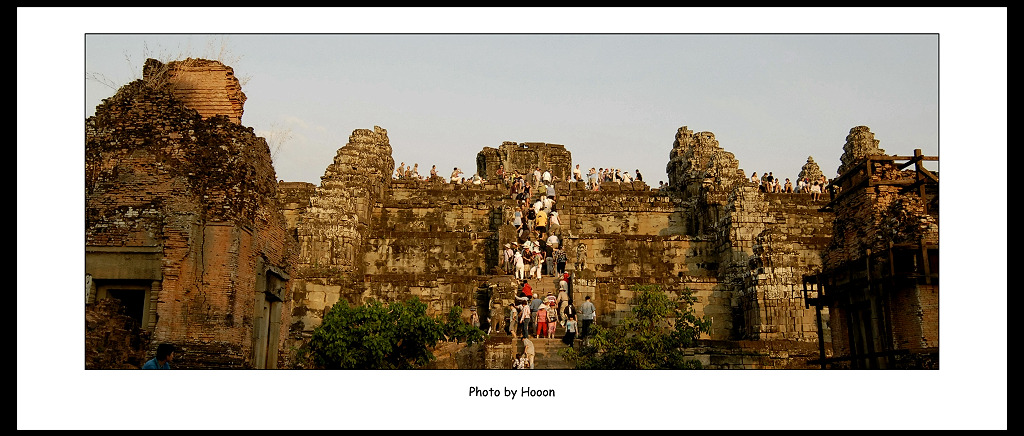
<point>768,183</point>
<point>533,316</point>
<point>538,228</point>
<point>595,177</point>
<point>537,252</point>
<point>457,176</point>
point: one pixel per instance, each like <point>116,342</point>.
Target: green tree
<point>652,336</point>
<point>454,328</point>
<point>397,335</point>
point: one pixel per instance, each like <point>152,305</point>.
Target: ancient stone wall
<point>294,198</point>
<point>627,234</point>
<point>438,241</point>
<point>199,194</point>
<point>757,245</point>
<point>334,226</point>
<point>793,233</point>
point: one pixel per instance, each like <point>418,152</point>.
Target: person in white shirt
<point>520,268</point>
<point>553,224</point>
<point>529,351</point>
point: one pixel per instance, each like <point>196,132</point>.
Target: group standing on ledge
<point>595,177</point>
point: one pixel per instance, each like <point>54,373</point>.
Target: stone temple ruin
<point>187,226</point>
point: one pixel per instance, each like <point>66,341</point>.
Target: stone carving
<point>580,262</point>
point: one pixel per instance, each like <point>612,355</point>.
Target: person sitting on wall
<point>164,356</point>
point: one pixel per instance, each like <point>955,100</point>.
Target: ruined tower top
<point>811,171</point>
<point>696,159</point>
<point>208,87</point>
<point>524,158</point>
<point>859,143</point>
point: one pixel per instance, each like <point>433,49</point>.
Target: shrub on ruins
<point>377,335</point>
<point>652,336</point>
<point>454,328</point>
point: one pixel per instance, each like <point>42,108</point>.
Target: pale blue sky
<point>774,84</point>
<point>613,100</point>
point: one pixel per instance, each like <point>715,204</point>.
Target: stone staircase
<point>501,347</point>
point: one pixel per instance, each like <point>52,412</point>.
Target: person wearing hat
<point>535,304</point>
<point>563,298</point>
<point>509,258</point>
<point>474,318</point>
<point>519,265</point>
<point>542,321</point>
<point>554,225</point>
<point>552,315</point>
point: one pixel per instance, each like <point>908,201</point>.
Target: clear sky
<point>775,85</point>
<point>614,100</point>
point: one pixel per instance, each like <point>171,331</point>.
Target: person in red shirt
<point>527,290</point>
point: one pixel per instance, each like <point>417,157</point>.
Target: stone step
<point>503,348</point>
